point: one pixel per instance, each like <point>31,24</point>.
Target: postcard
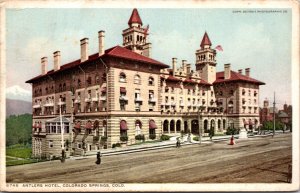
<point>149,96</point>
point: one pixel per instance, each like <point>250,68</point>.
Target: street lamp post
<point>200,124</point>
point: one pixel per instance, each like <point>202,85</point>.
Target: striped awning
<point>152,124</point>
<point>103,89</point>
<point>122,89</point>
<point>123,125</point>
<point>88,125</point>
<point>77,125</point>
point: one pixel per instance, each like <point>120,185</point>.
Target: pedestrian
<point>177,143</point>
<point>98,161</point>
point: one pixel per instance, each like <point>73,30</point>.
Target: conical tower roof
<point>205,41</point>
<point>135,17</point>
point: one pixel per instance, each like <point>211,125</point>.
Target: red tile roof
<point>205,41</point>
<point>234,77</point>
<point>204,83</point>
<point>188,80</point>
<point>135,17</point>
<point>171,78</point>
<point>117,51</point>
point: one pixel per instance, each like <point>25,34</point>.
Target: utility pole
<point>274,116</point>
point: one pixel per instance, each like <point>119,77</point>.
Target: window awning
<point>246,122</point>
<point>39,125</point>
<point>103,89</point>
<point>123,125</point>
<point>77,125</point>
<point>34,126</point>
<point>88,125</point>
<point>122,89</point>
<point>152,124</point>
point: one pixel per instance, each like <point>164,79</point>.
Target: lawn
<point>21,152</point>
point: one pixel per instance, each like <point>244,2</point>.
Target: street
<point>253,160</point>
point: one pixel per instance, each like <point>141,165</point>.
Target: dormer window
<point>122,77</point>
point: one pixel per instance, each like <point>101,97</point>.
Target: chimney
<point>247,72</point>
<point>174,62</point>
<point>227,71</point>
<point>44,62</point>
<point>188,68</point>
<point>184,65</point>
<point>56,60</point>
<point>84,47</point>
<point>101,42</point>
<point>240,71</point>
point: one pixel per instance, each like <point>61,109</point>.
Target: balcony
<point>49,104</point>
<point>162,104</point>
<point>123,98</point>
<point>138,99</point>
<point>173,104</point>
<point>95,99</point>
<point>77,101</point>
<point>181,104</point>
<point>152,100</point>
<point>168,104</point>
<point>61,103</point>
<point>36,106</point>
<point>189,104</point>
<point>87,100</point>
<point>102,98</point>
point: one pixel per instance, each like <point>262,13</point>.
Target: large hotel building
<point>121,92</point>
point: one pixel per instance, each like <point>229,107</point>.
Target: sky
<point>259,41</point>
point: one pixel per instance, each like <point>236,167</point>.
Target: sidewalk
<point>152,146</point>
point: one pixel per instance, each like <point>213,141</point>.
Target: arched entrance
<point>172,126</point>
<point>178,126</point>
<point>205,126</point>
<point>219,125</point>
<point>212,125</point>
<point>165,126</point>
<point>138,127</point>
<point>186,127</point>
<point>250,125</point>
<point>224,124</point>
<point>195,127</point>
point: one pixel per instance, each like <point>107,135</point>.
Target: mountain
<point>17,107</point>
<point>18,93</point>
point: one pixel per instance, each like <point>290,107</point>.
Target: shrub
<point>196,138</point>
<point>232,131</point>
<point>124,138</point>
<point>140,137</point>
<point>164,137</point>
<point>116,145</point>
<point>152,136</point>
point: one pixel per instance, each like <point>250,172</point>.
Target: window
<point>203,93</point>
<point>211,93</point>
<point>50,143</point>
<point>78,83</point>
<point>122,77</point>
<point>104,77</point>
<point>151,81</point>
<point>137,79</point>
<point>249,93</point>
<point>166,89</point>
<point>243,92</point>
<point>89,81</point>
<point>231,92</point>
<point>97,80</point>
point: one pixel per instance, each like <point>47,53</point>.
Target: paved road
<point>257,160</point>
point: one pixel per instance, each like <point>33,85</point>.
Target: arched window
<point>137,79</point>
<point>122,77</point>
<point>219,125</point>
<point>151,81</point>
